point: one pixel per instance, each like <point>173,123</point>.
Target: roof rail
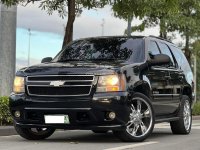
<point>161,38</point>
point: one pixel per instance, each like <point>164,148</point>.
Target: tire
<point>100,131</point>
<point>36,134</point>
<point>183,125</point>
<point>141,120</point>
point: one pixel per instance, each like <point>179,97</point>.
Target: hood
<point>59,68</point>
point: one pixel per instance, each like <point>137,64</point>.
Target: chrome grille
<point>59,85</point>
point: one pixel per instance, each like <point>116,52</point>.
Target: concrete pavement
<point>9,130</point>
<point>161,139</point>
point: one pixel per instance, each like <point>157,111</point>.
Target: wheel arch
<point>188,92</point>
<point>143,87</point>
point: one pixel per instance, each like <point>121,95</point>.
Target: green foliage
<point>187,18</point>
<point>128,8</point>
<point>150,11</point>
<point>5,116</point>
<point>196,109</point>
<point>60,6</point>
<point>171,15</point>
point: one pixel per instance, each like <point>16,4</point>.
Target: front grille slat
<point>62,77</point>
<point>59,91</point>
<point>69,85</point>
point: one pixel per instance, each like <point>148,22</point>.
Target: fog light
<point>17,114</point>
<point>111,115</point>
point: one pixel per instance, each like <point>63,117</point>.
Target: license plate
<point>56,119</point>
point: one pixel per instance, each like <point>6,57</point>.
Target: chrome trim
<point>166,94</point>
<point>164,69</point>
<point>89,85</point>
<point>59,76</point>
<point>57,86</point>
<point>108,98</point>
<point>62,80</point>
<point>60,95</point>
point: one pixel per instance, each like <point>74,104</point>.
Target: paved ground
<point>161,139</point>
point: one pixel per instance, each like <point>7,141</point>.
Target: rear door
<point>182,75</point>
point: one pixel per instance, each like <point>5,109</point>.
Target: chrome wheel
<point>187,115</point>
<point>141,119</point>
<point>184,123</point>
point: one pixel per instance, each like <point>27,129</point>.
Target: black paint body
<point>164,85</point>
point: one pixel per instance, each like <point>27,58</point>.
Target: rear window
<point>104,49</point>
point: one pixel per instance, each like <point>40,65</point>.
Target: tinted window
<point>105,49</point>
<point>165,50</point>
<point>153,49</point>
<point>180,58</point>
<point>182,63</point>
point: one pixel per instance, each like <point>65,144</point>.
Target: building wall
<point>7,48</point>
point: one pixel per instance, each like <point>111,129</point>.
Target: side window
<point>182,63</point>
<point>165,50</point>
<point>153,49</point>
<point>180,58</point>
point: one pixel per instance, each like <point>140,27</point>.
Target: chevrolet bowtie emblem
<point>57,83</point>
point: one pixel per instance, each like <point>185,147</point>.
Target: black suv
<point>123,84</point>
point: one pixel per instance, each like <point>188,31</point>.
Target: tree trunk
<point>163,35</point>
<point>187,47</point>
<point>70,22</point>
<point>163,32</point>
<point>130,18</point>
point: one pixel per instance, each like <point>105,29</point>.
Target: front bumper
<point>84,113</point>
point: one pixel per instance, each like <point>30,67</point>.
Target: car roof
<point>123,36</point>
<point>110,37</point>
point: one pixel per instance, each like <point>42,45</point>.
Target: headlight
<point>111,83</point>
<point>18,86</point>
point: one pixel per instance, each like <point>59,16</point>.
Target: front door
<point>162,90</point>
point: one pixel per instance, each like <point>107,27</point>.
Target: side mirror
<point>160,59</point>
<point>47,59</point>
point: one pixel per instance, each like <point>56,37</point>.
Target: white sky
<point>88,24</point>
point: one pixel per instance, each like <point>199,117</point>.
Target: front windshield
<point>103,49</point>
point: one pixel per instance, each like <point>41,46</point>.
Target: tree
<point>127,9</point>
<point>151,12</point>
<point>171,15</point>
<point>186,22</point>
<point>71,8</point>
